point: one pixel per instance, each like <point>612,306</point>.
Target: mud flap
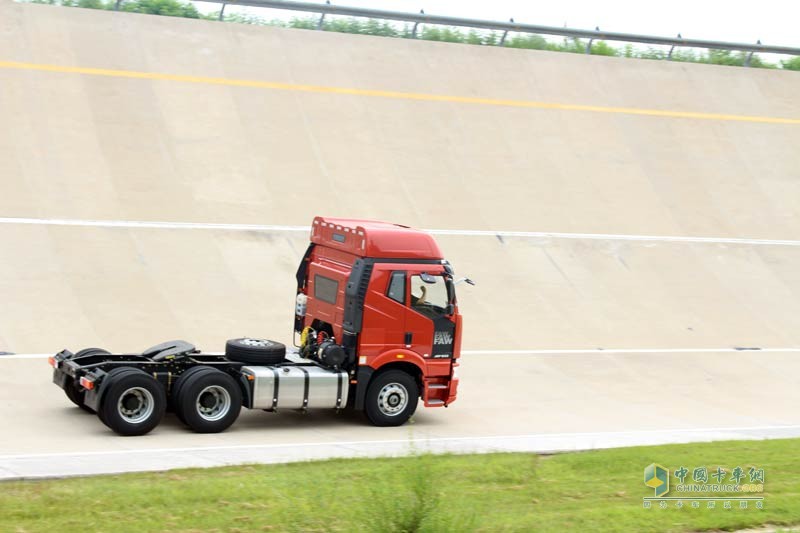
<point>363,376</point>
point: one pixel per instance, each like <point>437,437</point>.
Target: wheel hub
<point>130,403</point>
<point>208,400</point>
<point>213,403</point>
<point>392,399</point>
<point>135,405</point>
<point>259,343</point>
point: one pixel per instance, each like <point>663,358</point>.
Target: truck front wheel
<point>392,398</point>
<point>208,401</point>
<point>134,403</point>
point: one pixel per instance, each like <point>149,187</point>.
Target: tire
<point>392,398</point>
<point>73,389</point>
<point>133,402</point>
<point>91,351</point>
<point>76,393</point>
<point>174,394</point>
<point>255,351</point>
<point>209,401</point>
<point>110,378</point>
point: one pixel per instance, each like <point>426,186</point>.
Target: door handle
<point>409,336</point>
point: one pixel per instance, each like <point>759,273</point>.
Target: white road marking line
<point>451,232</point>
<point>597,434</point>
<point>615,237</point>
<point>540,352</point>
<point>148,224</point>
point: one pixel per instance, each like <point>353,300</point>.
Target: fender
<point>399,356</point>
<point>365,372</point>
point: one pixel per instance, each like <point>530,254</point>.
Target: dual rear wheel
<point>205,399</point>
<point>133,402</point>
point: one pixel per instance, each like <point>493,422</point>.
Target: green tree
<point>92,4</point>
<point>731,58</point>
<point>473,37</point>
<point>791,64</point>
<point>531,42</point>
<point>602,48</point>
<point>242,18</point>
<point>170,8</point>
<point>437,33</point>
<point>305,23</point>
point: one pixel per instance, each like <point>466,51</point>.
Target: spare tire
<point>255,351</point>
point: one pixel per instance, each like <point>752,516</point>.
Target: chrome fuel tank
<point>296,387</point>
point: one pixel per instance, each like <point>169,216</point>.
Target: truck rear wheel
<point>76,393</point>
<point>172,400</point>
<point>115,374</point>
<point>209,401</point>
<point>73,389</point>
<point>391,399</point>
<point>133,404</point>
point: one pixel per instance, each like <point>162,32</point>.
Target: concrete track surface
<point>600,203</point>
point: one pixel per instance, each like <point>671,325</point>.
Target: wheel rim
<point>135,405</point>
<point>213,403</point>
<point>392,399</point>
<point>256,342</point>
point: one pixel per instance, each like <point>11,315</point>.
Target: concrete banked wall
<point>106,146</point>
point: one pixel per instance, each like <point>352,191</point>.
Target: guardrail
<point>506,27</point>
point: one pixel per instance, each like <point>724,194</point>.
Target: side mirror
<point>464,279</point>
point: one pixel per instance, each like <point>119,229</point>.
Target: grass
<point>598,491</point>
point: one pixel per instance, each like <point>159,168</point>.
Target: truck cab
<point>386,295</point>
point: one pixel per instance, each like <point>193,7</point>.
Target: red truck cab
<point>385,295</point>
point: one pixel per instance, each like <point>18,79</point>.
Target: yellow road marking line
<point>393,94</point>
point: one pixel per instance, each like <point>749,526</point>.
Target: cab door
<point>385,309</point>
<point>430,325</point>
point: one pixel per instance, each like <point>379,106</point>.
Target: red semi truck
<point>377,325</point>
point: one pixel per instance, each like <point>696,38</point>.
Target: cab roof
<point>372,238</point>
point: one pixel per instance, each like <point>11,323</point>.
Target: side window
<point>325,289</point>
<point>429,295</point>
<point>397,287</point>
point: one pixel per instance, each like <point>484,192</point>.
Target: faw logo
<point>442,337</point>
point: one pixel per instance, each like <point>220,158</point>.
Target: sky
<point>774,22</point>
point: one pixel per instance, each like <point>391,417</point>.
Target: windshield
<point>430,295</point>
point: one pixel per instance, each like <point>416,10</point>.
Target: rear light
<point>52,361</point>
<point>87,383</point>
